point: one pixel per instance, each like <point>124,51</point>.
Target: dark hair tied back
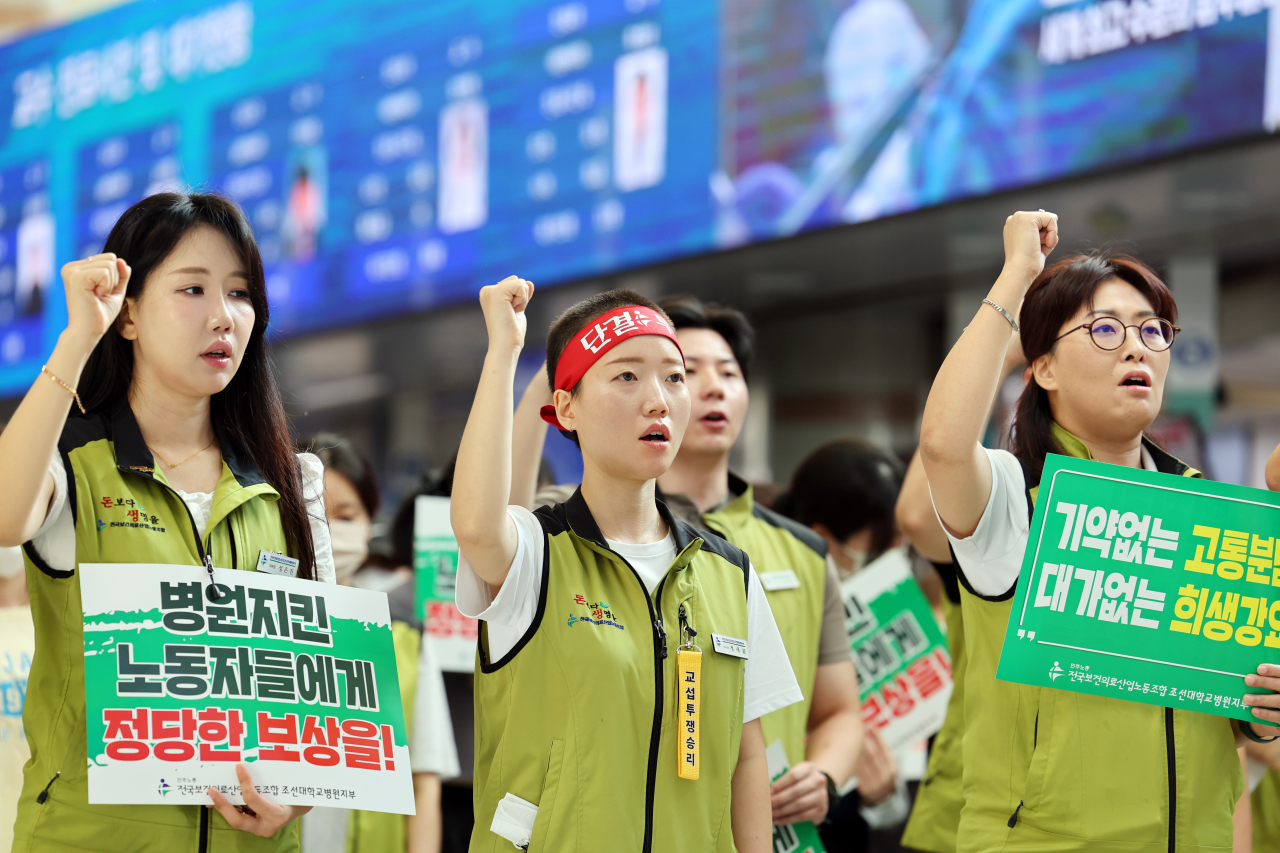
<point>1053,298</point>
<point>249,411</point>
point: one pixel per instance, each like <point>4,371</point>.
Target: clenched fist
<point>503,305</point>
<point>1029,237</point>
<point>95,291</point>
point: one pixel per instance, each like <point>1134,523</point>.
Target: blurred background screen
<point>394,156</point>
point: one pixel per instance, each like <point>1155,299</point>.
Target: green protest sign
<point>791,837</point>
<point>435,551</point>
<point>904,671</point>
<point>295,678</point>
<point>1146,586</point>
<point>435,564</point>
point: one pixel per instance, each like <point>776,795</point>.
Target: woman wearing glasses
<point>1049,770</point>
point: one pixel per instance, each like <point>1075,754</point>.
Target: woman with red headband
<point>624,660</point>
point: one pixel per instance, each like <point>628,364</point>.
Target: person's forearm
<point>482,478</point>
<point>955,415</point>
<point>835,721</point>
<point>529,433</point>
<point>916,518</point>
<point>30,440</point>
<point>750,811</point>
<point>1273,471</point>
<point>424,830</point>
<point>835,743</point>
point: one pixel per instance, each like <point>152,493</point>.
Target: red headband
<point>598,337</point>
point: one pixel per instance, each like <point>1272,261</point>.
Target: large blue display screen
<point>393,156</point>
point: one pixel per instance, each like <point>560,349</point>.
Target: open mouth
<point>218,356</point>
<point>715,419</point>
<point>1135,380</point>
<point>656,435</point>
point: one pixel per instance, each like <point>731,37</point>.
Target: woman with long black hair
<point>160,394</point>
<point>1045,769</point>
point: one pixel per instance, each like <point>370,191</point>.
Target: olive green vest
<point>1266,814</point>
<point>377,832</point>
<point>777,544</point>
<point>110,475</point>
<point>1050,770</point>
<point>935,817</point>
<point>580,717</point>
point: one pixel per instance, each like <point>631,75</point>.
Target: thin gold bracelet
<point>45,370</point>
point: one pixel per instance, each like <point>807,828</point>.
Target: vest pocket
<point>547,800</point>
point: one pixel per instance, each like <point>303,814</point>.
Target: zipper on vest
<point>43,796</point>
<point>655,735</point>
<point>1013,818</point>
<point>204,829</point>
<point>659,700</point>
<point>1171,758</point>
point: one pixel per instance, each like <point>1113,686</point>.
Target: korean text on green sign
<point>904,671</point>
<point>1146,586</point>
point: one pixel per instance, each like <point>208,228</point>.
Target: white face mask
<point>857,560</point>
<point>11,564</point>
<point>350,547</point>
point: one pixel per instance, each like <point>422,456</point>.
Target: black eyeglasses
<point>1109,333</point>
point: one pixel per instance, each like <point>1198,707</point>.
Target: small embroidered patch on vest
<point>143,468</point>
<point>689,677</point>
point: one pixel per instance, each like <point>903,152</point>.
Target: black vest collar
<point>132,452</point>
<point>583,523</point>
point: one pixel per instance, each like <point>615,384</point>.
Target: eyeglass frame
<point>1124,328</point>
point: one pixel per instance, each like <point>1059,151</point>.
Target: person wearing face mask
<point>1046,769</point>
<point>822,735</point>
<point>846,491</point>
<point>158,394</point>
<point>17,645</point>
<point>625,658</point>
<point>351,503</point>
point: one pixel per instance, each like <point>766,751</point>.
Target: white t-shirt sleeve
<point>770,683</point>
<point>55,541</point>
<point>313,497</point>
<point>509,613</point>
<point>432,748</point>
<point>992,556</point>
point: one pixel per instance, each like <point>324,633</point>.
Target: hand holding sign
<point>1266,706</point>
<point>258,814</point>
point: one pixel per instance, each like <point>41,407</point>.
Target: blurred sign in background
<point>396,156</point>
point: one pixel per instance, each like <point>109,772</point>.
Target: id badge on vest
<point>277,564</point>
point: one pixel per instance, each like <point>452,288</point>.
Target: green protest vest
<point>935,817</point>
<point>580,717</point>
<point>778,544</point>
<point>1266,814</point>
<point>377,832</point>
<point>1050,770</point>
<point>124,512</point>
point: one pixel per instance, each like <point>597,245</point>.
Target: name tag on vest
<point>774,581</point>
<point>731,646</point>
<point>277,564</point>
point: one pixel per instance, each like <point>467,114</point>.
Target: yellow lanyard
<point>688,686</point>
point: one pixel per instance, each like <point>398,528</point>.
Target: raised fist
<point>95,291</point>
<point>503,305</point>
<point>1029,237</point>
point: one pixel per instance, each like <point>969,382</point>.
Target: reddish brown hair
<point>1056,295</point>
